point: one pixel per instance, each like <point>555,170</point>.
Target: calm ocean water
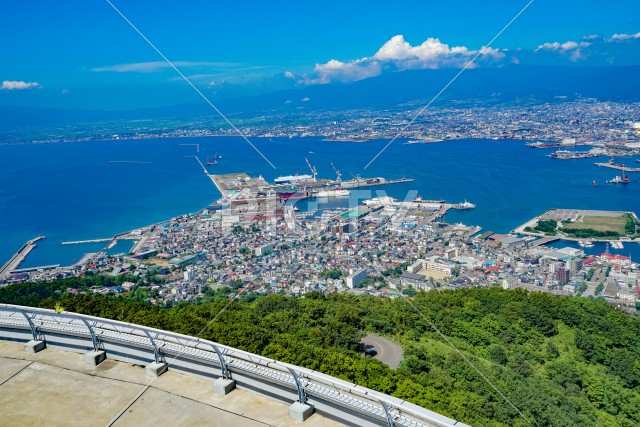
<point>74,191</point>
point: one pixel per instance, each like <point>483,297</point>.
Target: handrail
<point>305,382</point>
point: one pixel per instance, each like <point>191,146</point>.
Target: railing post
<point>387,410</point>
<point>98,355</point>
<point>300,410</point>
<point>225,384</point>
<point>302,396</point>
<point>34,329</point>
<point>224,368</point>
<point>157,367</point>
<point>37,343</point>
<point>156,351</point>
<point>94,338</point>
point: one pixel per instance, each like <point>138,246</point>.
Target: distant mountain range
<point>496,85</point>
<point>509,84</point>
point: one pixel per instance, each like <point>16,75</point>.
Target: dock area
<point>235,183</point>
<point>545,240</point>
<point>17,259</point>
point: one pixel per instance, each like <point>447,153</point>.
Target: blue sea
<point>88,190</point>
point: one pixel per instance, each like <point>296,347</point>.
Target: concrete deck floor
<point>56,388</point>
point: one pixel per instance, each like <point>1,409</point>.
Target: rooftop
<point>57,388</point>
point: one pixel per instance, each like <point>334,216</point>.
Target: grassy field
<point>600,223</point>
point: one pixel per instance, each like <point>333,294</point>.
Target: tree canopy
<point>560,360</point>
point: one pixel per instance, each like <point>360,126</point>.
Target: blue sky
<point>82,54</point>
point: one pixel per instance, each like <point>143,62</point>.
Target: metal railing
<point>310,386</point>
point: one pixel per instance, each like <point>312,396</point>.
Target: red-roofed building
<point>614,259</point>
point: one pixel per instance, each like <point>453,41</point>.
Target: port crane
<point>314,172</point>
<point>338,176</point>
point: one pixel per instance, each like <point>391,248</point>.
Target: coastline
<point>443,174</point>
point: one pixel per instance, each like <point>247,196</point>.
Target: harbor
<point>15,261</point>
<point>527,197</point>
<point>240,188</point>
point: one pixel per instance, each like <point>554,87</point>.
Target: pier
<point>37,268</point>
<point>19,256</point>
<point>206,172</point>
<point>618,167</point>
<point>79,242</point>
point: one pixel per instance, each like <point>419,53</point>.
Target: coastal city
<point>424,214</point>
<point>564,123</point>
<point>256,240</point>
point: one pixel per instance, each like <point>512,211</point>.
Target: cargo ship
<point>421,200</point>
<point>540,144</point>
<point>289,192</point>
<point>566,154</point>
<point>293,179</point>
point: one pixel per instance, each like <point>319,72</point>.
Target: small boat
<point>624,179</point>
<point>617,245</point>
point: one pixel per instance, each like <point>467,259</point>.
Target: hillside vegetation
<point>561,361</point>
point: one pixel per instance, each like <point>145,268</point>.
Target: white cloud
<point>289,75</point>
<point>155,66</point>
<point>18,85</point>
<point>305,99</point>
<point>623,37</point>
<point>570,48</point>
<point>399,54</point>
<point>337,71</point>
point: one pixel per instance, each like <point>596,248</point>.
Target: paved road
<point>591,290</point>
<point>387,352</point>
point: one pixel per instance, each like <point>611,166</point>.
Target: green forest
<point>561,361</point>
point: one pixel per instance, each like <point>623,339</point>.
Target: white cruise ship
<point>333,193</point>
<point>464,205</point>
